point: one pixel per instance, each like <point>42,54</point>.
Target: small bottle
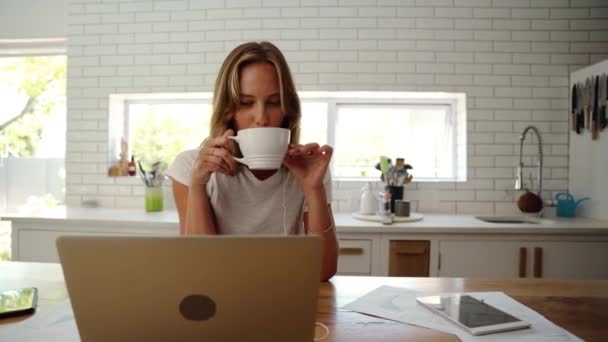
<point>132,169</point>
<point>368,202</point>
<point>385,207</point>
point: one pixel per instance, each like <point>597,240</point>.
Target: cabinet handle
<point>350,250</point>
<point>439,263</point>
<point>410,253</point>
<point>522,262</point>
<point>538,262</point>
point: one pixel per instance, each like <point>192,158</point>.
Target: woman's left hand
<point>309,164</point>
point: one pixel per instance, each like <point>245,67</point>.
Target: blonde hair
<point>227,87</point>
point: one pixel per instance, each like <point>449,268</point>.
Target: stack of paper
<point>400,305</point>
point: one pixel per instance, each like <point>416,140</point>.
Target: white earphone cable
<point>326,332</point>
<point>284,176</point>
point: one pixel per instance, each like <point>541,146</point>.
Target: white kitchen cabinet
<point>355,257</point>
<point>479,258</point>
<point>573,259</point>
<point>460,246</point>
<point>358,254</point>
<point>39,246</point>
<point>531,258</point>
<point>33,239</point>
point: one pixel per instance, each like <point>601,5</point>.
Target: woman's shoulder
<point>186,156</point>
<point>185,159</point>
<point>181,168</point>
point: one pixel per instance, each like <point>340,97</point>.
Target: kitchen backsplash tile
<point>512,58</point>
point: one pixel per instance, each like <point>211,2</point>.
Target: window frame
<point>33,47</point>
<point>456,102</point>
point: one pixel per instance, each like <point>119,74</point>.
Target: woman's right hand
<point>214,155</point>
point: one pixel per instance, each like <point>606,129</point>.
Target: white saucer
<point>375,218</point>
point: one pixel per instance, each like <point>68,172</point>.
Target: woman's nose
<point>261,116</point>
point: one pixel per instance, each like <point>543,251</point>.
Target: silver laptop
<point>222,288</point>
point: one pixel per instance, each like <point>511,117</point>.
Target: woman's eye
<point>274,103</point>
<point>246,103</point>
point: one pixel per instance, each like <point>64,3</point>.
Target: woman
<point>215,195</point>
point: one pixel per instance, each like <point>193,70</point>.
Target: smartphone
<point>473,315</point>
<point>18,302</point>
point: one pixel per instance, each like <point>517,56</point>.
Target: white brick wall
<point>512,58</point>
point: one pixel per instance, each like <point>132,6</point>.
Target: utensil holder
<point>396,194</point>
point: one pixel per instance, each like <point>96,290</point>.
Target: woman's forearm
<point>321,222</point>
<point>199,216</point>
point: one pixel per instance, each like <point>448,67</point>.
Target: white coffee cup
<point>263,148</point>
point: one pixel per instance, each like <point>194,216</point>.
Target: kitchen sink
<point>508,219</point>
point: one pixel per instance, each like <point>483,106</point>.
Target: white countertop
<point>459,224</point>
<point>345,223</point>
<point>97,216</point>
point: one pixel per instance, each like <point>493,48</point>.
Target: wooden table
<point>580,306</point>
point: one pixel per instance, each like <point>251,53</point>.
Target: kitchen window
<point>32,127</point>
<point>157,128</point>
<point>32,124</point>
<point>428,130</point>
<point>159,131</point>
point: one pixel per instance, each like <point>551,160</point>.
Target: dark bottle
<point>132,170</point>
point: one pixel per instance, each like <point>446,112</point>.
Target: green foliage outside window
<point>157,140</point>
<point>161,131</point>
<point>40,83</point>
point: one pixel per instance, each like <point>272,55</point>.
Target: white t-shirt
<point>246,205</point>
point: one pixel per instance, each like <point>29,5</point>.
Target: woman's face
<point>259,101</point>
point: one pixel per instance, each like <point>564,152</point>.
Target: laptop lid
<point>212,288</point>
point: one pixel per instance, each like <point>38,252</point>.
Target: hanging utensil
<point>573,111</point>
<point>595,109</point>
<point>144,175</point>
<point>588,89</point>
<point>579,102</point>
<point>580,111</point>
<point>603,101</point>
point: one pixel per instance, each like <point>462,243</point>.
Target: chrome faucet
<point>519,182</point>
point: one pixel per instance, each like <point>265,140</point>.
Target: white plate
<point>375,218</point>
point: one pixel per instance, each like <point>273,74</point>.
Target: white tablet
<point>472,315</point>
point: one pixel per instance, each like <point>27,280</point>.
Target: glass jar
<point>154,198</point>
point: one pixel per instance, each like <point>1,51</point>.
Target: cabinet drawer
<point>409,258</point>
<point>355,257</point>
